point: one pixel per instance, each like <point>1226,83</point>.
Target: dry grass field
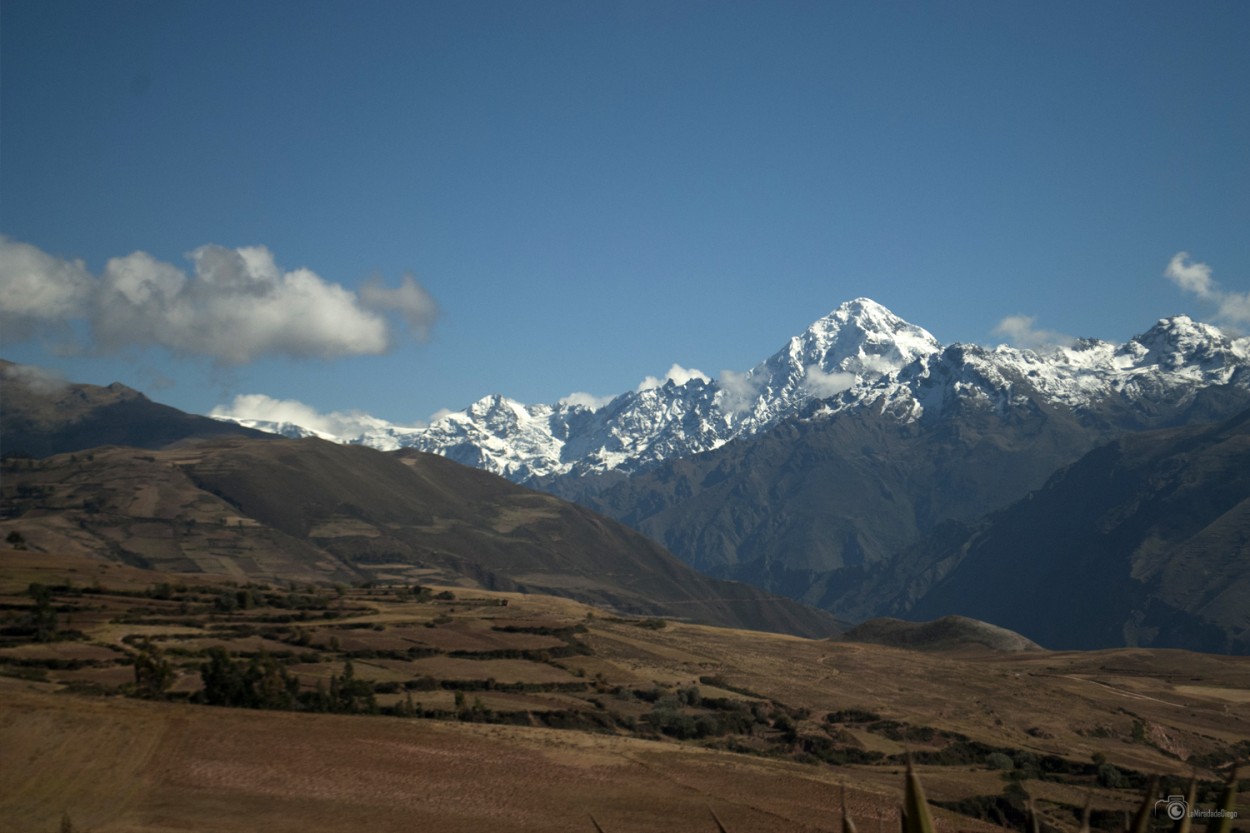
<point>123,765</point>
<point>505,712</point>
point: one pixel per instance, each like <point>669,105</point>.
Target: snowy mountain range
<point>860,356</point>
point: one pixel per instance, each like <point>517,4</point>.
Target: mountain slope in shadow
<point>1143,541</point>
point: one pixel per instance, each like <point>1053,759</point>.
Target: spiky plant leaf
<point>1191,795</point>
<point>1223,823</point>
<point>848,826</point>
<point>1141,821</point>
<point>916,818</point>
<point>719,827</point>
<point>596,824</point>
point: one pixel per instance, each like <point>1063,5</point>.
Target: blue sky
<point>592,191</point>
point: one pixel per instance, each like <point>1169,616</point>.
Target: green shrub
<point>1110,777</point>
<point>997,760</point>
<point>852,716</point>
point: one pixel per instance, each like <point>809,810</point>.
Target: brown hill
<point>41,415</point>
<point>945,634</point>
<point>309,510</point>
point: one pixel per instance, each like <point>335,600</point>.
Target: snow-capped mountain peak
<point>859,355</point>
<point>854,347</point>
<point>1168,364</point>
<point>862,336</point>
<point>1179,340</point>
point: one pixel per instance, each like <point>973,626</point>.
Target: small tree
<point>997,760</point>
<point>16,540</point>
<point>405,707</point>
<point>1110,777</point>
<point>43,615</point>
<point>349,694</point>
<point>223,681</point>
<point>153,673</point>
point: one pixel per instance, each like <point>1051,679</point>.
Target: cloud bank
<point>235,306</point>
<point>822,385</point>
<point>37,379</point>
<point>677,374</point>
<point>409,299</point>
<point>588,400</point>
<point>1021,331</point>
<point>738,391</point>
<point>337,424</point>
<point>1231,307</point>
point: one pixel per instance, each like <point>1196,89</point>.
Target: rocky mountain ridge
<point>859,357</point>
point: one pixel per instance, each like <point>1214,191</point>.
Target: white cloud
<point>1231,307</point>
<point>37,379</point>
<point>235,307</point>
<point>586,400</point>
<point>38,289</point>
<point>1021,332</point>
<point>877,364</point>
<point>1235,309</point>
<point>440,413</point>
<point>1191,277</point>
<point>677,374</point>
<point>409,299</point>
<point>339,424</point>
<point>822,385</point>
<point>738,391</point>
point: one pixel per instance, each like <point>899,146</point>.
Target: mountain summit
<point>853,347</point>
<point>858,356</point>
<point>862,335</point>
